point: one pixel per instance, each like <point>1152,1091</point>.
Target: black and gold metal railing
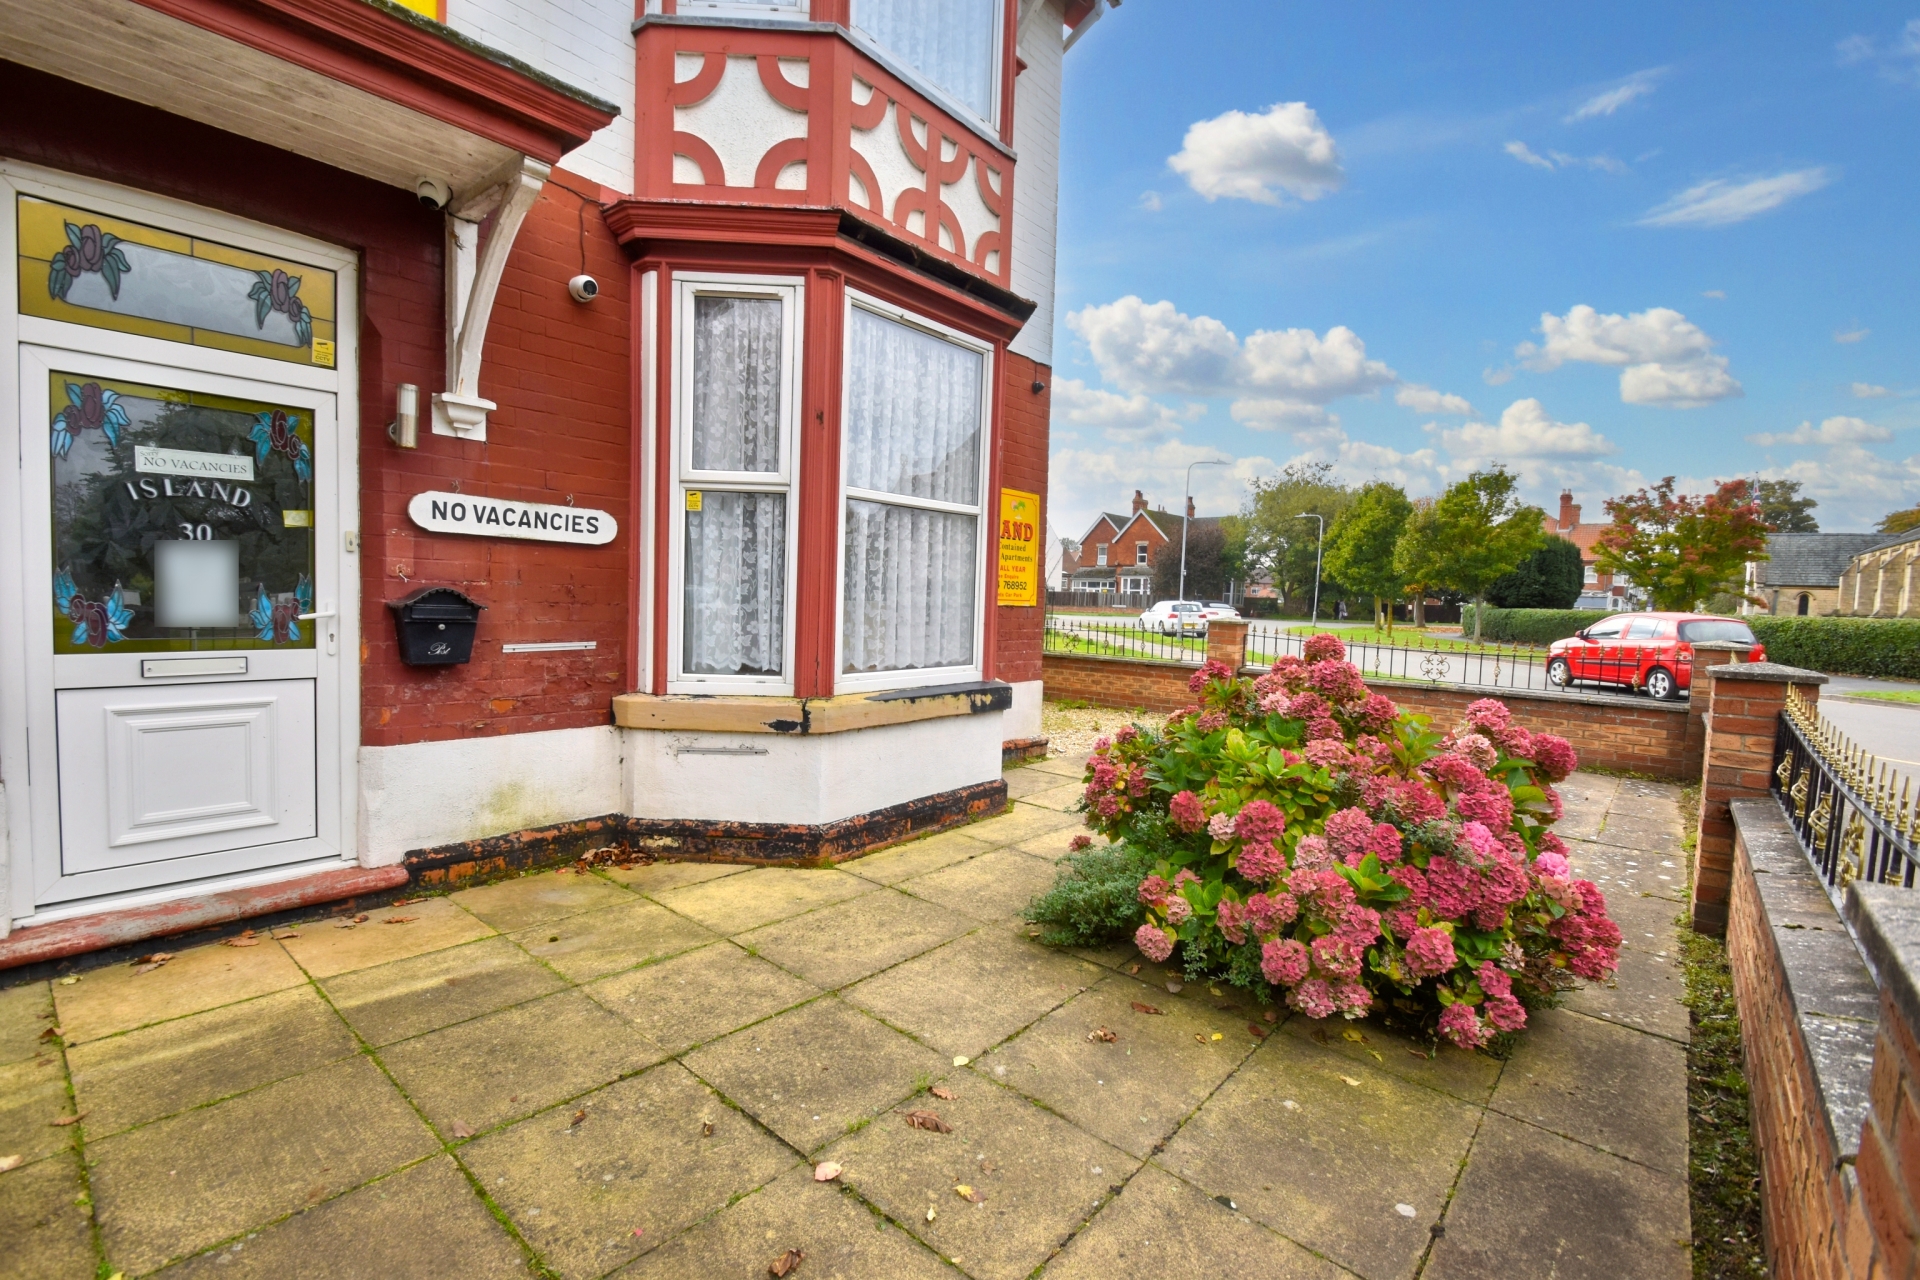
<point>1856,818</point>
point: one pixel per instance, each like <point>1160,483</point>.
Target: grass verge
<point>1723,1168</point>
<point>1407,637</point>
<point>1909,697</point>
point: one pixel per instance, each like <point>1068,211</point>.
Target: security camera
<point>433,193</point>
<point>583,288</point>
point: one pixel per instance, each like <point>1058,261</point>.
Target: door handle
<point>333,636</point>
<point>323,613</point>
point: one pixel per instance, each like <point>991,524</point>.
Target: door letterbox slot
<point>435,626</point>
<point>170,668</point>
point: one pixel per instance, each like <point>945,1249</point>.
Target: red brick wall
<point>1023,466</point>
<point>559,371</point>
<point>1881,1227</point>
<point>1647,737</point>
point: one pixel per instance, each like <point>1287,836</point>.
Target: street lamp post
<point>1204,462</point>
<point>1318,543</point>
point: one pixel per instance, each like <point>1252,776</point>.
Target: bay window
<point>913,468</point>
<point>735,405</point>
<point>953,44</point>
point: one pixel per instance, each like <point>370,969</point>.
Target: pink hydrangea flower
<point>1377,714</point>
<point>1287,673</point>
<point>1516,741</point>
<point>1492,807</point>
<point>1453,891</point>
<point>1153,888</point>
<point>1125,733</point>
<point>1403,921</point>
<point>1506,1014</point>
<point>1186,812</point>
<point>1179,911</point>
<point>1210,670</point>
<point>1555,756</point>
<point>1323,648</point>
<point>1595,964</point>
<point>1415,882</point>
<point>1308,706</point>
<point>1211,721</point>
<point>1552,864</point>
<point>1283,962</point>
<point>1325,727</point>
<point>1231,916</point>
<point>1352,999</point>
<point>1080,842</point>
<point>1361,927</point>
<point>1347,833</point>
<point>1260,861</point>
<point>1477,837</point>
<point>1329,753</point>
<point>1493,979</point>
<point>1312,998</point>
<point>1155,944</point>
<point>1455,772</point>
<point>1260,820</point>
<point>1384,843</point>
<point>1489,714</point>
<point>1429,953</point>
<point>1220,826</point>
<point>1336,957</point>
<point>1459,1024</point>
<point>1184,877</point>
<point>1338,682</point>
<point>1269,911</point>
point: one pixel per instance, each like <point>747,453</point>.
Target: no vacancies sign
<point>500,518</point>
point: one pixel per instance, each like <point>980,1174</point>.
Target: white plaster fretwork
<point>473,278</point>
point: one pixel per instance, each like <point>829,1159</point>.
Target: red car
<point>1651,651</point>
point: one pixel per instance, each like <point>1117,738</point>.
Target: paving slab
<point>701,996</point>
<point>975,991</point>
<point>736,904</point>
<point>1648,989</point>
<point>119,997</point>
<point>993,886</point>
<point>596,943</point>
<point>175,1187</point>
<point>1038,1177</point>
<point>841,1238</point>
<point>1023,782</point>
<point>1068,766</point>
<point>1161,1226</point>
<point>848,941</point>
<point>1022,822</point>
<point>327,947</point>
<point>657,877</point>
<point>423,1223</point>
<point>1056,844</point>
<point>539,898</point>
<point>1629,872</point>
<point>1613,1088</point>
<point>811,1072</point>
<point>1585,798</point>
<point>157,1071</point>
<point>1531,1203</point>
<point>33,1095</point>
<point>515,1062</point>
<point>1064,798</point>
<point>424,993</point>
<point>1136,1090</point>
<point>636,1170</point>
<point>891,866</point>
<point>25,1012</point>
<point>1467,1076</point>
<point>1327,1153</point>
<point>46,1229</point>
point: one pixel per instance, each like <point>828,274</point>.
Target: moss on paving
<point>1723,1168</point>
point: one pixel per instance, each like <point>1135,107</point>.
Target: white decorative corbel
<point>473,277</point>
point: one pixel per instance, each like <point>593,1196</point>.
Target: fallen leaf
<point>1215,991</point>
<point>148,963</point>
<point>1350,1081</point>
<point>1217,1036</point>
<point>69,980</point>
<point>1133,968</point>
<point>344,924</point>
<point>927,1120</point>
<point>706,1129</point>
<point>1375,1054</point>
<point>579,1118</point>
<point>1354,1036</point>
<point>967,1193</point>
<point>1145,1008</point>
<point>960,1060</point>
<point>1175,988</point>
<point>461,1129</point>
<point>1271,1015</point>
<point>931,1214</point>
<point>64,1121</point>
<point>986,1166</point>
<point>360,919</point>
<point>943,1093</point>
<point>1257,1031</point>
<point>1197,1036</point>
<point>244,940</point>
<point>401,919</point>
<point>1103,1035</point>
<point>406,902</point>
<point>783,1265</point>
<point>51,1033</point>
<point>826,1171</point>
<point>285,934</point>
<point>10,1162</point>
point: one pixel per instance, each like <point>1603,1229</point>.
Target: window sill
<point>809,716</point>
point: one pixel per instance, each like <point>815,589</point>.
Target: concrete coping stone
<point>1773,672</point>
<point>1676,707</point>
<point>1835,1001</point>
<point>1886,919</point>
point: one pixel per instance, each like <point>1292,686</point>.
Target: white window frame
<point>1100,556</point>
<point>792,293</point>
<point>1139,553</point>
<point>844,682</point>
<point>939,94</point>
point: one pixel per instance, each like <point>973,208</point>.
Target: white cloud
<point>1156,349</point>
<point>1284,151</point>
<point>1898,59</point>
<point>1527,155</point>
<point>1836,430</point>
<point>1122,418</point>
<point>1423,399</point>
<point>1719,203</point>
<point>1714,293</point>
<point>1525,432</point>
<point>1496,377</point>
<point>1611,100</point>
<point>1870,391</point>
<point>1669,360</point>
<point>1851,335</point>
<point>1151,202</point>
<point>1307,423</point>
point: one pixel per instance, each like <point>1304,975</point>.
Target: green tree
<point>1782,509</point>
<point>1479,532</point>
<point>1277,541</point>
<point>1683,548</point>
<point>1361,543</point>
<point>1413,558</point>
<point>1550,578</point>
<point>1899,521</point>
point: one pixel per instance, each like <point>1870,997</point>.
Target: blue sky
<point>1599,244</point>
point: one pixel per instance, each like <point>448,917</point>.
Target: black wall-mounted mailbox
<point>435,626</point>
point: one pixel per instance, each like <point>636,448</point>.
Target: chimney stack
<point>1189,508</point>
<point>1139,502</point>
<point>1569,511</point>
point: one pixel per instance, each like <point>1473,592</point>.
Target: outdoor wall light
<point>404,430</point>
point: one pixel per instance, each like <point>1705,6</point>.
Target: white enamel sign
<point>502,518</point>
<point>185,462</point>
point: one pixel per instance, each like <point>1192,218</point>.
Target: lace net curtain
<point>913,429</point>
<point>950,42</point>
<point>734,612</point>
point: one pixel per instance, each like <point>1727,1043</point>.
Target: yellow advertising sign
<point>1019,547</point>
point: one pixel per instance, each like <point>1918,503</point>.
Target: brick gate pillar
<point>1743,714</point>
<point>1227,642</point>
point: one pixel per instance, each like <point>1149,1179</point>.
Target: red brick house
<point>1117,552</point>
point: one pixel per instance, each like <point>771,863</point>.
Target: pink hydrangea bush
<point>1321,846</point>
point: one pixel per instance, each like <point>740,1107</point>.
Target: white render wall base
<point>1023,718</point>
<point>742,777</point>
<point>425,794</point>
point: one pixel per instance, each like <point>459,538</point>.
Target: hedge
<point>1837,646</point>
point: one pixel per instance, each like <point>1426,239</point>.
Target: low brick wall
<point>1662,739</point>
<point>1883,1223</point>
